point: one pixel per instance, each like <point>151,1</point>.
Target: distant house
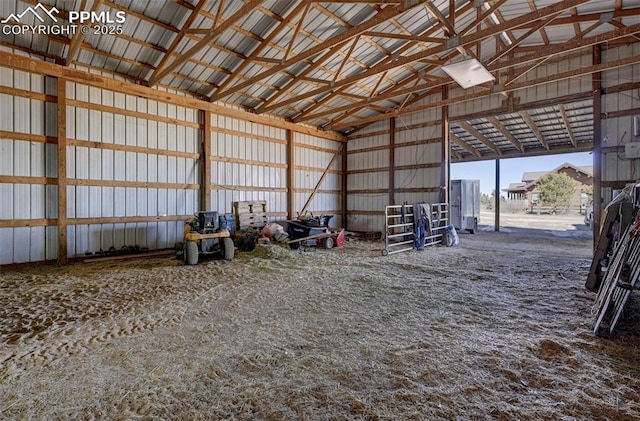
<point>527,190</point>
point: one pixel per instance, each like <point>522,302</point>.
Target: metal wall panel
<point>315,161</point>
<point>472,106</point>
<point>619,131</point>
<point>23,158</point>
<point>236,179</point>
<point>89,163</point>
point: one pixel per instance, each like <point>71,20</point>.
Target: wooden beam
<point>291,171</point>
<point>319,183</point>
<point>517,42</point>
<point>446,152</point>
<point>587,70</point>
<point>78,37</point>
<point>482,138</point>
<point>440,17</point>
<point>297,31</point>
<point>567,124</point>
<point>310,69</point>
<point>254,56</point>
<point>402,61</point>
<point>582,147</point>
<point>344,187</point>
<point>506,133</point>
<point>534,128</point>
<point>63,258</point>
<point>386,14</point>
<point>392,160</point>
<point>464,145</point>
<point>183,30</point>
<point>205,184</point>
<point>74,75</point>
<point>496,224</point>
<point>213,34</point>
<point>596,87</point>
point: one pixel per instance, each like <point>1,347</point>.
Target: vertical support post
<point>445,154</point>
<point>497,198</point>
<point>597,143</point>
<point>62,172</point>
<point>392,161</point>
<point>205,187</point>
<point>291,168</point>
<point>343,187</point>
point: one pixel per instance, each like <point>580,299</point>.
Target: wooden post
<point>392,161</point>
<point>205,187</point>
<point>62,172</point>
<point>497,198</point>
<point>445,182</point>
<point>291,168</point>
<point>597,144</point>
<point>324,174</point>
<point>344,187</point>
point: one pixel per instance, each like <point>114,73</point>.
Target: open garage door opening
<point>551,193</point>
<point>535,167</point>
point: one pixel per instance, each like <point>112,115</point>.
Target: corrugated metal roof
<point>375,67</point>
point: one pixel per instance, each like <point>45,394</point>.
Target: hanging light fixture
<point>468,73</point>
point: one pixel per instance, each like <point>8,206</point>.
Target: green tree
<point>556,189</point>
<point>486,201</point>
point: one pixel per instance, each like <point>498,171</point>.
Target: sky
<point>511,169</point>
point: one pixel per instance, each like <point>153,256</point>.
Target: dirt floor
<point>571,222</point>
<point>499,327</point>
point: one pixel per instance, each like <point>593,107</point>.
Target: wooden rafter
<point>534,128</point>
<point>433,9</point>
<point>480,94</point>
<point>304,73</point>
<point>213,34</point>
<point>353,109</point>
<point>479,35</point>
<point>567,125</point>
<point>347,25</point>
<point>482,17</point>
<point>185,28</point>
<point>543,32</point>
<point>618,24</point>
<point>518,61</point>
<point>517,42</point>
<point>482,138</point>
<point>76,40</point>
<point>464,145</point>
<point>254,55</point>
<point>386,14</point>
<point>506,133</point>
<point>545,54</point>
<point>297,30</point>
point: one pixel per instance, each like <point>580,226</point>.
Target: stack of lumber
<point>250,214</point>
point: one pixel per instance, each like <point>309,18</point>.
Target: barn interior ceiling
<point>341,65</point>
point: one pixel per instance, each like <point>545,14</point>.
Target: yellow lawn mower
<point>208,233</point>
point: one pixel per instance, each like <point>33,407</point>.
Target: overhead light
<point>468,73</point>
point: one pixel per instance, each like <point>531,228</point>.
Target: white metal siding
<point>232,179</point>
<point>24,158</point>
<point>619,131</point>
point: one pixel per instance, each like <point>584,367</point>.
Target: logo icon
<point>34,11</point>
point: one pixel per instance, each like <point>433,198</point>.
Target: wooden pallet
<point>250,214</point>
<point>253,206</point>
